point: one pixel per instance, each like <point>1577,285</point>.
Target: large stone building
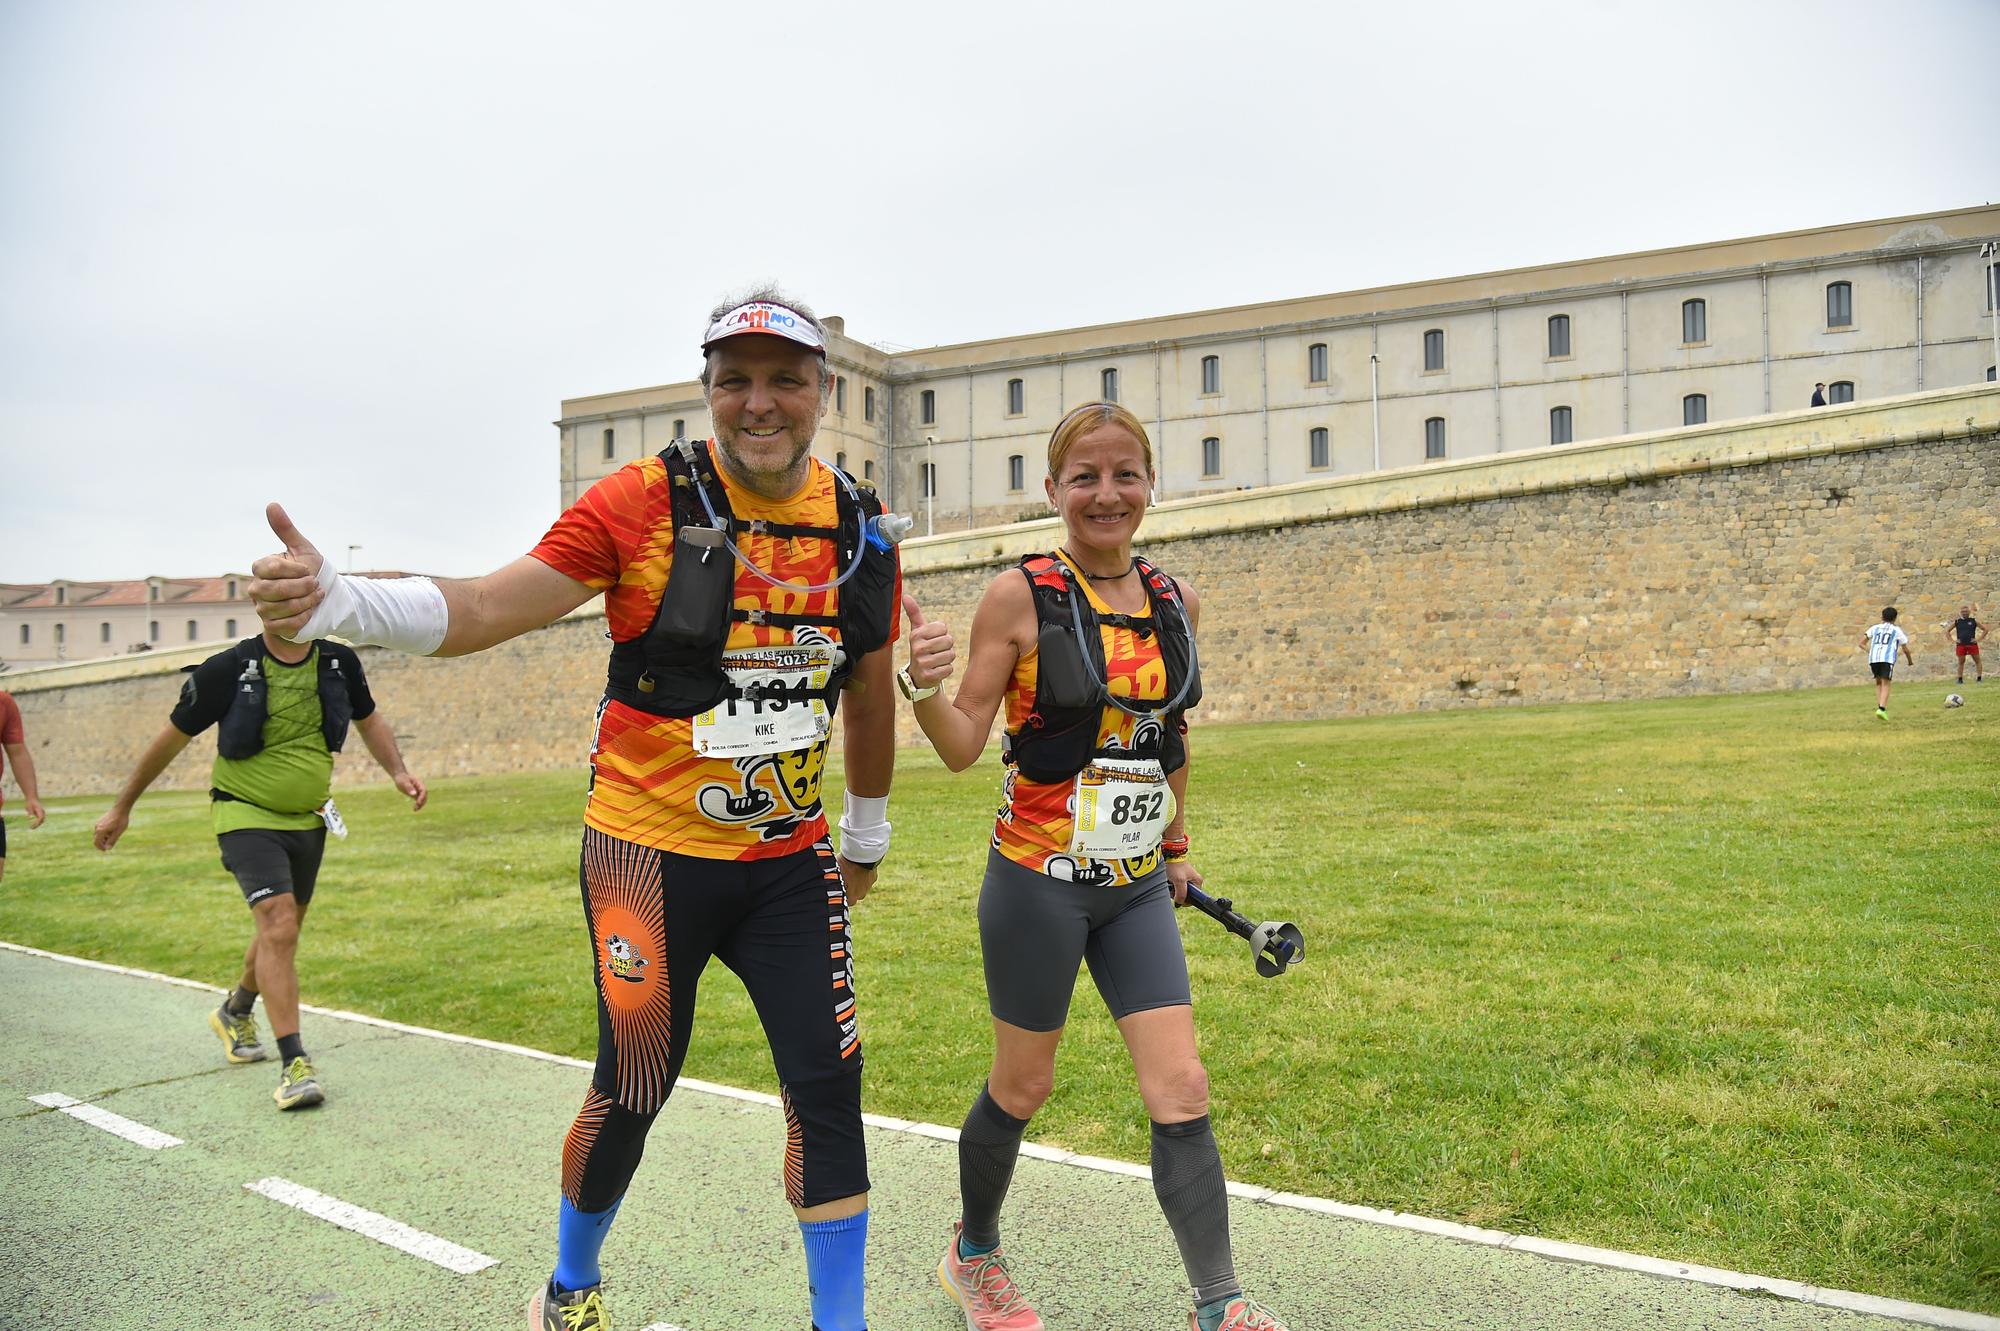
<point>1335,385</point>
<point>46,622</point>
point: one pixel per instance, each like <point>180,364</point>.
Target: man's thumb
<point>912,611</point>
<point>282,528</point>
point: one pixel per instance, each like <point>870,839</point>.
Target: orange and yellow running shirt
<point>648,785</point>
<point>1035,821</point>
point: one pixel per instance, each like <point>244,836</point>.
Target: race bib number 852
<point>1122,808</point>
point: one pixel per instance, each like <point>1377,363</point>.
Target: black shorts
<point>1034,930</point>
<point>1882,669</point>
<point>269,863</point>
<point>656,918</point>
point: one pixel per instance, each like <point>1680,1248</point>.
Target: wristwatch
<point>908,688</point>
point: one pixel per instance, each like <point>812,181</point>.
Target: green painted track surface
<point>464,1142</point>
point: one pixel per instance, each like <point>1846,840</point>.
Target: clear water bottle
<point>886,530</point>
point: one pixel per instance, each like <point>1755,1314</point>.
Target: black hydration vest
<point>1059,737</point>
<point>241,731</point>
<point>675,668</point>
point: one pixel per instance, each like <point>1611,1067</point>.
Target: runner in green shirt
<point>282,710</point>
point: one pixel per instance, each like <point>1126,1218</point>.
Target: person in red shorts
<point>13,741</point>
<point>1965,633</point>
<point>745,603</point>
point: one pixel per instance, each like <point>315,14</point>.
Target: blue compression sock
<point>579,1238</point>
<point>834,1250</point>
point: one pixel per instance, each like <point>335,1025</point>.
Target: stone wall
<point>1730,558</point>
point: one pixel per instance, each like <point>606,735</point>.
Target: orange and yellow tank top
<point>1035,819</point>
<point>648,784</point>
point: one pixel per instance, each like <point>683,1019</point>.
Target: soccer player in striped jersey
<point>1884,642</point>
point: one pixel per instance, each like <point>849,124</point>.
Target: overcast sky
<point>353,256</point>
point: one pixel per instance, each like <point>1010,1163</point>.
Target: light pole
<point>1990,252</point>
<point>1375,403</point>
<point>930,485</point>
<point>350,557</point>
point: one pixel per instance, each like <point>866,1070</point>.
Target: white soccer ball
<point>1953,700</point>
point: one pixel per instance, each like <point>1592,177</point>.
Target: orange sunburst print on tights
<point>576,1146</point>
<point>622,884</point>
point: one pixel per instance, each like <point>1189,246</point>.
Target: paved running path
<point>462,1142</point>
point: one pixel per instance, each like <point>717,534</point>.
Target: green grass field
<point>1711,979</point>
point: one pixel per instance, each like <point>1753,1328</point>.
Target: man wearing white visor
<point>745,604</point>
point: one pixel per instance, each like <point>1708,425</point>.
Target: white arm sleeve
<point>407,614</point>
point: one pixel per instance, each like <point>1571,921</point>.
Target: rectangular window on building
<point>867,403</point>
<point>1840,391</point>
<point>1211,456</point>
<point>1211,374</point>
<point>1107,383</point>
<point>840,393</point>
<point>232,589</point>
<point>610,444</point>
<point>840,460</point>
<point>1434,437</point>
<point>1558,336</point>
<point>1694,321</point>
<point>193,634</point>
<point>1317,451</point>
<point>930,407</point>
<point>1433,349</point>
<point>62,596</point>
<point>1559,430</point>
<point>1316,363</point>
<point>1840,305</point>
<point>1016,397</point>
<point>867,469</point>
<point>153,631</point>
<point>680,429</point>
<point>60,636</point>
<point>1017,473</point>
<point>104,632</point>
<point>26,633</point>
<point>228,629</point>
<point>1694,409</point>
<point>930,481</point>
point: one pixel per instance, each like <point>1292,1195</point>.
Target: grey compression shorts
<point>1033,930</point>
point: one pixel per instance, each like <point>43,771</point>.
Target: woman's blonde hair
<point>1086,418</point>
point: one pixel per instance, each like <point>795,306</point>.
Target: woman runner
<point>1089,856</point>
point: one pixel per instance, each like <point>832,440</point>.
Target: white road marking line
<point>661,1326</point>
<point>1923,1314</point>
<point>394,1233</point>
<point>115,1124</point>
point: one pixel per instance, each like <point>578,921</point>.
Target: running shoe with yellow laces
<point>1241,1314</point>
<point>298,1088</point>
<point>984,1290</point>
<point>238,1033</point>
<point>576,1310</point>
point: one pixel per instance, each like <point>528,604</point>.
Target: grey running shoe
<point>238,1035</point>
<point>578,1310</point>
<point>297,1088</point>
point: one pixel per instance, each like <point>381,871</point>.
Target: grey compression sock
<point>988,1145</point>
<point>1187,1178</point>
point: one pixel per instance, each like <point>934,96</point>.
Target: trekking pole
<point>1275,944</point>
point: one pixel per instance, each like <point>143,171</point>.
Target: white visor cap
<point>759,316</point>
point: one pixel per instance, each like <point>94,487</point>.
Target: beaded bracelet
<point>1175,849</point>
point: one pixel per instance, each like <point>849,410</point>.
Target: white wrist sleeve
<point>407,614</point>
<point>864,828</point>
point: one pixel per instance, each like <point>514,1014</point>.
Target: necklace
<point>1088,576</point>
